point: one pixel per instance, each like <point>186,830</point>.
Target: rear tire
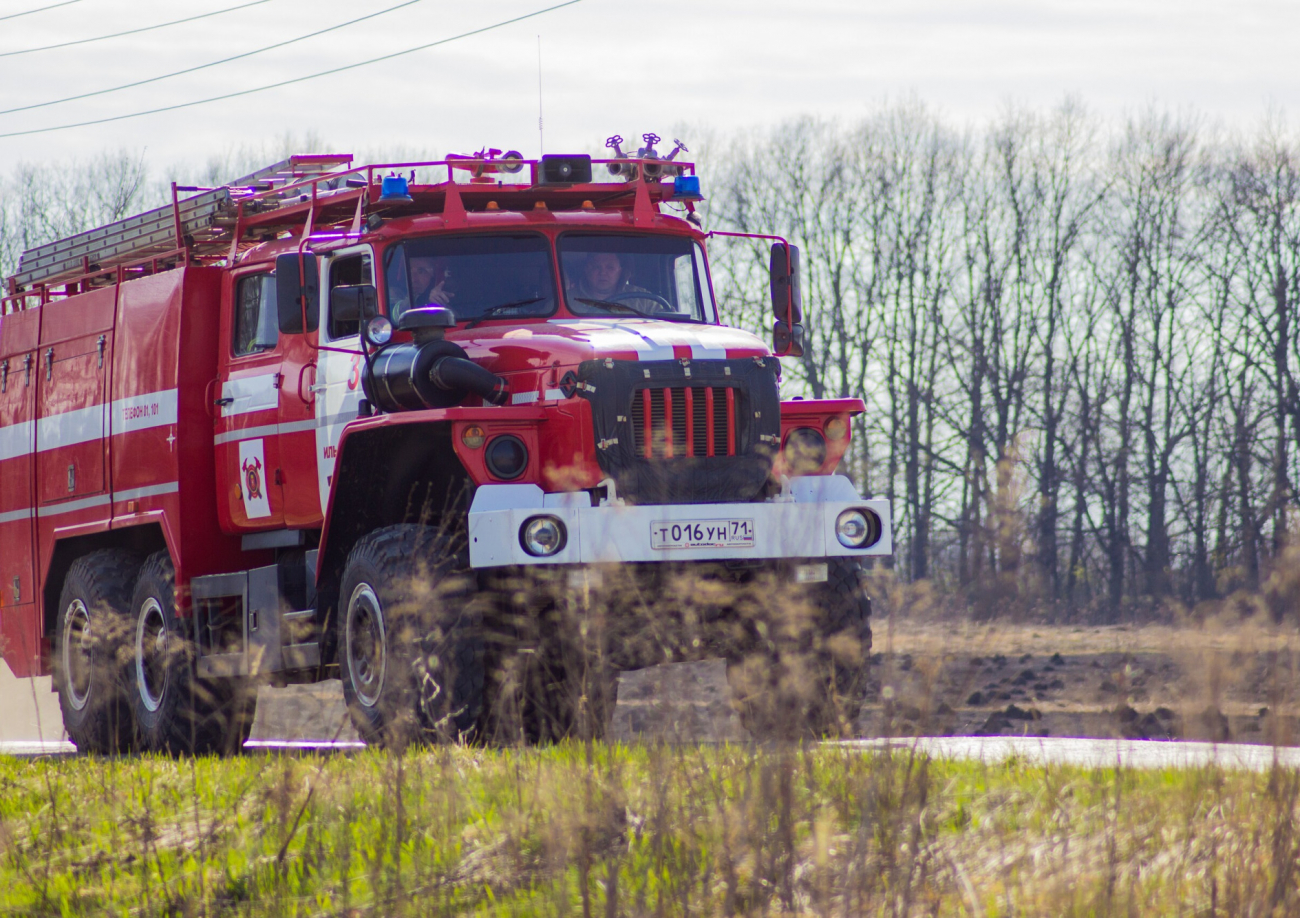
<point>90,649</point>
<point>175,711</point>
<point>410,641</point>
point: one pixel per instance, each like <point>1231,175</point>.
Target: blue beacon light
<point>394,188</point>
<point>687,188</point>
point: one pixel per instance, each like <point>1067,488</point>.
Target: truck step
<point>300,656</point>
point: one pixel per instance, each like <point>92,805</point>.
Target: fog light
<point>473,437</point>
<point>507,457</point>
<point>543,536</point>
<point>857,528</point>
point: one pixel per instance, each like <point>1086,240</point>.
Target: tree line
<point>1078,340</point>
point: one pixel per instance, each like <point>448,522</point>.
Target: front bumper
<point>802,525</point>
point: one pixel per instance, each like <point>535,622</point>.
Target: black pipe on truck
<point>428,374</point>
<point>454,374</point>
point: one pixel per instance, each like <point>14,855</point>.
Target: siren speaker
<point>566,170</point>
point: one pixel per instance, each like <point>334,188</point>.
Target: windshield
<point>659,276</point>
<point>475,276</point>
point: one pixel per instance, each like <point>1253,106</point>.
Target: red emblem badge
<point>253,478</point>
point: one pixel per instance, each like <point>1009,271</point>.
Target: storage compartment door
<point>71,418</point>
<point>19,633</point>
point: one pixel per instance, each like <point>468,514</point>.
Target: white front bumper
<point>800,527</point>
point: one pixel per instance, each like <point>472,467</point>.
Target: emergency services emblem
<point>252,465</point>
<point>253,478</point>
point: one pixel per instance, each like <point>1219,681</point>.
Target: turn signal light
<point>473,437</point>
<point>836,429</point>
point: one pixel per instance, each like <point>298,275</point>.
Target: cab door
<point>302,503</point>
<point>338,372</point>
<point>250,379</point>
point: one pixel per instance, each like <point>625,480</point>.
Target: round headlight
<point>857,528</point>
<point>543,536</point>
<point>805,450</point>
<point>379,331</point>
<point>507,457</point>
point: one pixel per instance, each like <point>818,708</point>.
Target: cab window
<point>479,276</point>
<point>609,274</point>
<point>256,325</point>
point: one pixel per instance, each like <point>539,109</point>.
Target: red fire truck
<point>240,432</point>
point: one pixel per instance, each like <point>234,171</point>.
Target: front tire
<point>90,644</point>
<point>410,640</point>
<point>175,711</point>
<point>801,673</point>
<point>841,651</point>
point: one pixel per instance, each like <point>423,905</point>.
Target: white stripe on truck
<point>82,425</point>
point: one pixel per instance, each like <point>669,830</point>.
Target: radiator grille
<point>684,421</point>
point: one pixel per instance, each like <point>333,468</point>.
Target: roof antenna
<point>541,147</point>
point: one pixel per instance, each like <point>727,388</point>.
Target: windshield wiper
<point>611,305</point>
<point>502,307</point>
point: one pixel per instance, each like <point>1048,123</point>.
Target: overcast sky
<point>615,66</point>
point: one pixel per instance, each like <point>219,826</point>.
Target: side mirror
<point>355,303</point>
<point>297,292</point>
<point>787,300</point>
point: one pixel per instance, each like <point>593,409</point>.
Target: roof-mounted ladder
<point>206,217</point>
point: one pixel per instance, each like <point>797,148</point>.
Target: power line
<point>39,9</point>
<point>161,25</point>
<point>302,79</point>
<point>224,60</point>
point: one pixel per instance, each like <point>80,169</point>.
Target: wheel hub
<point>151,654</point>
<point>366,644</point>
<point>78,656</point>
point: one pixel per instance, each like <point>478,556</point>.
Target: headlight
<point>805,450</point>
<point>858,528</point>
<point>507,457</point>
<point>543,536</point>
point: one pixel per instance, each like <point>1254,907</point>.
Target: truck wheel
<point>410,641</point>
<point>175,711</point>
<point>90,642</point>
<point>841,649</point>
<point>804,676</point>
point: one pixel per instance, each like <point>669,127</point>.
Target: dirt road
<point>1223,682</point>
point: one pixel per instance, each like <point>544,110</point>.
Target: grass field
<point>649,830</point>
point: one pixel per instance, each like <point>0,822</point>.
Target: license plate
<point>702,534</point>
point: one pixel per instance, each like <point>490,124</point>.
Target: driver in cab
<point>431,279</point>
<point>603,283</point>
